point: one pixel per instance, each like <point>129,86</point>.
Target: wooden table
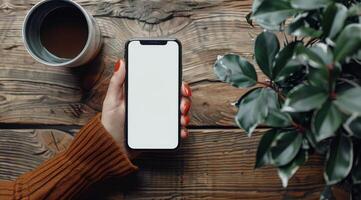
<point>41,107</point>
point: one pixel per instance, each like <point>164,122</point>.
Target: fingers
<point>185,105</point>
<point>115,88</point>
<point>184,122</point>
<point>186,90</point>
<point>185,119</point>
<point>184,133</point>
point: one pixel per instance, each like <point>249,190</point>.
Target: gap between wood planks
<point>67,128</point>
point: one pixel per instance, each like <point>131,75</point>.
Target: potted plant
<point>312,98</point>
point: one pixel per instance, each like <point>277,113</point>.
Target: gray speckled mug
<point>33,43</point>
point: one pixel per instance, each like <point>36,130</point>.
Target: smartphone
<point>153,94</point>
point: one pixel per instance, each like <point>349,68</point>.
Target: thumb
<point>115,89</point>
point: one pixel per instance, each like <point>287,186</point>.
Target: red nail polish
<point>188,91</point>
<point>187,119</point>
<point>117,66</point>
<point>187,106</point>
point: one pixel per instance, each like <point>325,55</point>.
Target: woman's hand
<point>113,113</point>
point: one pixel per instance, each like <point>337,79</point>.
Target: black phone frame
<point>156,41</point>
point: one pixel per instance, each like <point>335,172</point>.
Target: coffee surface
<point>64,32</point>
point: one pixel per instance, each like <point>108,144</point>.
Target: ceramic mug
<point>33,44</point>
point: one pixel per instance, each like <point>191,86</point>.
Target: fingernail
<point>187,119</point>
<point>187,106</point>
<point>117,66</point>
<point>185,133</point>
<point>188,90</point>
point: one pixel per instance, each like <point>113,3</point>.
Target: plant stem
<point>265,84</point>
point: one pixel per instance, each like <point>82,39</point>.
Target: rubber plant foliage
<point>311,99</point>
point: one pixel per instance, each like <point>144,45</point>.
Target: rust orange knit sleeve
<point>92,156</point>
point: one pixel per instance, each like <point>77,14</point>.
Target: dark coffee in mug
<point>64,32</point>
<point>61,33</point>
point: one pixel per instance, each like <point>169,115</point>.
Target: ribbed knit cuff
<point>97,154</point>
<point>92,156</point>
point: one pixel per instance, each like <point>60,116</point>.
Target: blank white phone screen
<point>153,95</point>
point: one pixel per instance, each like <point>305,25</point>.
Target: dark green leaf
<point>266,48</point>
<point>301,28</point>
<point>318,56</point>
<point>271,13</point>
<point>235,70</point>
<point>319,77</point>
<point>285,147</point>
<point>283,58</point>
<point>311,138</point>
<point>348,42</point>
<point>326,121</point>
<point>291,67</point>
<point>256,4</point>
<point>327,194</point>
<point>338,160</point>
<point>286,172</point>
<point>356,169</point>
<point>349,101</point>
<point>263,155</point>
<point>309,4</point>
<point>304,98</point>
<point>254,107</point>
<point>333,19</point>
<point>353,126</point>
<point>276,118</point>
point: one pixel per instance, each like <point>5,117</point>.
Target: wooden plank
<point>32,93</point>
<point>24,150</point>
<point>211,164</point>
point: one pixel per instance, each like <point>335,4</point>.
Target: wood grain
<point>31,93</point>
<point>23,150</point>
<point>211,164</point>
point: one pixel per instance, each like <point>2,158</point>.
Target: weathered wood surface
<point>214,163</point>
<point>210,164</point>
<point>72,96</point>
<point>23,150</point>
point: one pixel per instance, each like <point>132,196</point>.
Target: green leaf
<point>326,121</point>
<point>272,13</point>
<point>291,67</point>
<point>354,10</point>
<point>283,58</point>
<point>263,151</point>
<point>277,118</point>
<point>349,101</point>
<point>356,169</point>
<point>235,70</point>
<point>285,147</point>
<point>309,4</point>
<point>318,56</point>
<point>304,98</point>
<point>286,172</point>
<point>338,160</point>
<point>348,42</point>
<point>256,4</point>
<point>254,107</point>
<point>266,48</point>
<point>353,126</point>
<point>319,77</point>
<point>311,138</point>
<point>333,19</point>
<point>299,27</point>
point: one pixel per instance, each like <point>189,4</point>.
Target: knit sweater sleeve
<point>92,156</point>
